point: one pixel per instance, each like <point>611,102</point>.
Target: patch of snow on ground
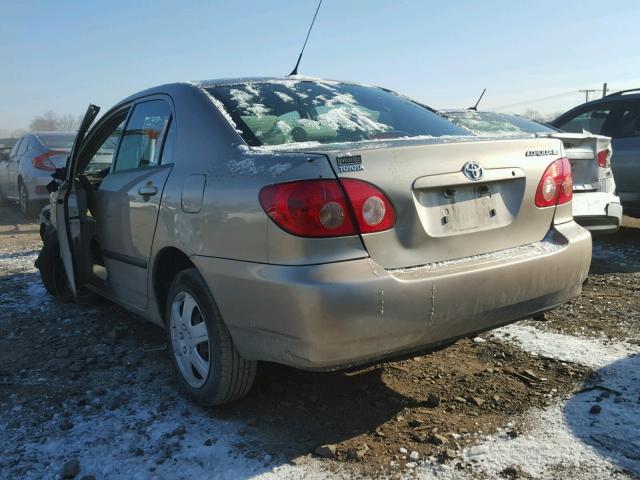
<point>132,442</point>
<point>572,436</point>
<point>567,348</point>
<point>18,262</point>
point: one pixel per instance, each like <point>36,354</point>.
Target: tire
<point>210,368</point>
<point>3,199</point>
<point>27,207</point>
<point>49,262</point>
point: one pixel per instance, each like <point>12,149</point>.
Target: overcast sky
<point>61,55</point>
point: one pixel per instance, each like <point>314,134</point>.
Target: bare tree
<point>552,116</point>
<point>42,123</point>
<point>68,122</point>
<point>53,121</point>
<point>532,114</point>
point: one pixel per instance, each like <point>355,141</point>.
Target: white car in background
<point>24,175</point>
<point>595,204</point>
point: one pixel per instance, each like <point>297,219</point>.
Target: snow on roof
<point>291,80</point>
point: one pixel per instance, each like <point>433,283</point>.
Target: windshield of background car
<point>57,141</point>
<point>489,123</point>
<point>291,111</point>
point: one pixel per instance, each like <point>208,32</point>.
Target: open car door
<point>74,224</point>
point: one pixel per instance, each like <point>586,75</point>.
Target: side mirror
<point>60,173</point>
<point>53,186</point>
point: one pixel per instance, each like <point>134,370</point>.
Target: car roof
<point>298,78</point>
<point>175,87</point>
<point>464,110</point>
<point>622,96</point>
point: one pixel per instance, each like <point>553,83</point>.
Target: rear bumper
<point>599,212</point>
<point>336,315</point>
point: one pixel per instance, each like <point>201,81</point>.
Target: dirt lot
<point>548,398</point>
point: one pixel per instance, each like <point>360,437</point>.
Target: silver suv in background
<point>25,174</point>
<point>595,203</point>
<point>617,116</point>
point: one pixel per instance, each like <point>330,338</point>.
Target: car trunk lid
<point>442,214</point>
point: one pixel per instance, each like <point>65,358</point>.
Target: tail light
<point>556,184</point>
<point>603,156</point>
<point>373,210</point>
<point>328,208</point>
<point>43,162</point>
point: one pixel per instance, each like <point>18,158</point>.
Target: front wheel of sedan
<point>210,368</point>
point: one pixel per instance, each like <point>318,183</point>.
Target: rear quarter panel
<point>231,223</point>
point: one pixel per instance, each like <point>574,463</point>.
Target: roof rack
<point>624,91</point>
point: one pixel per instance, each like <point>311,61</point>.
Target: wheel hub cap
<point>190,339</point>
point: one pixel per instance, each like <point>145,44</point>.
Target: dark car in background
<point>617,116</point>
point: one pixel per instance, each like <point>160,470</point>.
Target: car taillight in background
<point>556,184</point>
<point>603,158</point>
<point>328,208</point>
<point>43,162</point>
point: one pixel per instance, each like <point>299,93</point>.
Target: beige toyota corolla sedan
<point>313,223</point>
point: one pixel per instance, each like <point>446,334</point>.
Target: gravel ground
<point>89,390</point>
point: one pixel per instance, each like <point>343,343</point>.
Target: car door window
<point>16,147</point>
<point>143,135</point>
<point>23,146</point>
<point>628,123</point>
<point>590,120</point>
<point>106,146</point>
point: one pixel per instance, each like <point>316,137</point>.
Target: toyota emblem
<point>473,171</point>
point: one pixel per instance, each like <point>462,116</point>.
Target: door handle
<point>148,190</point>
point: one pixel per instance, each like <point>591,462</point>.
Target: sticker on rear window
<point>352,163</point>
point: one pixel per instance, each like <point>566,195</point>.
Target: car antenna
<point>295,69</point>
<point>475,107</point>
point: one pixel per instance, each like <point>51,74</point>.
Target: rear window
<point>490,123</point>
<point>292,111</point>
<point>57,141</point>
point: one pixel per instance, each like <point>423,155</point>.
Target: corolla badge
<point>473,171</point>
<point>350,163</point>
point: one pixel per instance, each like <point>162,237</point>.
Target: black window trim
<point>103,123</point>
